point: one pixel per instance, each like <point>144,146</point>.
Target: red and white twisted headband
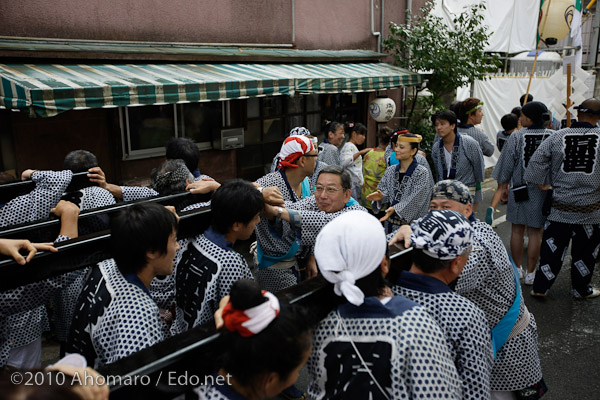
<point>253,320</point>
<point>293,148</point>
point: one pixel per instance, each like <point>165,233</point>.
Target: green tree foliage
<point>450,58</point>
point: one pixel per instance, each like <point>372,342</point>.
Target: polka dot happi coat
<point>488,281</point>
<point>400,343</point>
<point>114,318</point>
<point>464,326</point>
<point>25,327</point>
<point>511,169</point>
<point>205,273</point>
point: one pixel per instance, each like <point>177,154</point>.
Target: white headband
<point>349,248</point>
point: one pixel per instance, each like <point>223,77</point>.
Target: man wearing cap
<point>374,345</point>
<point>569,161</point>
<point>490,281</point>
<point>438,259</point>
<point>278,243</point>
<point>525,199</point>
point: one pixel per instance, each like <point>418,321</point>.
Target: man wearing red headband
<point>278,244</point>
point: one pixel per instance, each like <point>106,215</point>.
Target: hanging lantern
<point>558,20</point>
<point>382,109</point>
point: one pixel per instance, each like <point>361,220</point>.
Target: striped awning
<point>48,89</point>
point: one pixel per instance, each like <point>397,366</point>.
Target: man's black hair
<point>184,149</point>
<point>509,122</point>
<point>428,264</point>
<point>446,115</point>
<point>522,99</point>
<point>138,229</point>
<point>455,106</point>
<point>345,178</point>
<point>235,201</point>
<point>375,283</point>
<point>80,161</point>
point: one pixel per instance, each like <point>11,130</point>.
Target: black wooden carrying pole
<point>82,252</point>
<point>168,368</point>
<point>25,231</point>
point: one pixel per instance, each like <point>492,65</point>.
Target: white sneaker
<point>521,272</point>
<point>529,278</point>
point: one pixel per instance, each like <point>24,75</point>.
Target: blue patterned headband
<point>442,234</point>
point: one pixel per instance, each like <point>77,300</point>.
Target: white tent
<point>513,23</point>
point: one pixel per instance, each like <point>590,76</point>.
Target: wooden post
<point>568,95</point>
<point>537,50</point>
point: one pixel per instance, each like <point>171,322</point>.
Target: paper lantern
<point>382,109</point>
<point>558,19</point>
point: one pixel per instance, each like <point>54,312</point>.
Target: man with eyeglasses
<point>332,198</point>
<point>491,282</point>
<point>278,251</point>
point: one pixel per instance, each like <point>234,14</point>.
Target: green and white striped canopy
<point>48,89</point>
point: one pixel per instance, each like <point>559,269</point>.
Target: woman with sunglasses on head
<point>329,152</point>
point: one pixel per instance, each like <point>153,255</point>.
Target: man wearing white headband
<point>278,246</point>
<point>373,346</point>
<point>442,242</point>
<point>490,281</point>
<point>470,115</point>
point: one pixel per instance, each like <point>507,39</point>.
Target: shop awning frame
<point>45,90</point>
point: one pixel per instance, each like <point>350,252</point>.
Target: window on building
<point>146,129</point>
<point>271,118</point>
<point>344,107</point>
<point>268,121</point>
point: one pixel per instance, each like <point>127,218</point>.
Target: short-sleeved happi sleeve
<point>507,161</point>
<point>416,195</point>
<point>131,193</point>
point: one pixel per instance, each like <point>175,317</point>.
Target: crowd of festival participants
<point>454,325</point>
